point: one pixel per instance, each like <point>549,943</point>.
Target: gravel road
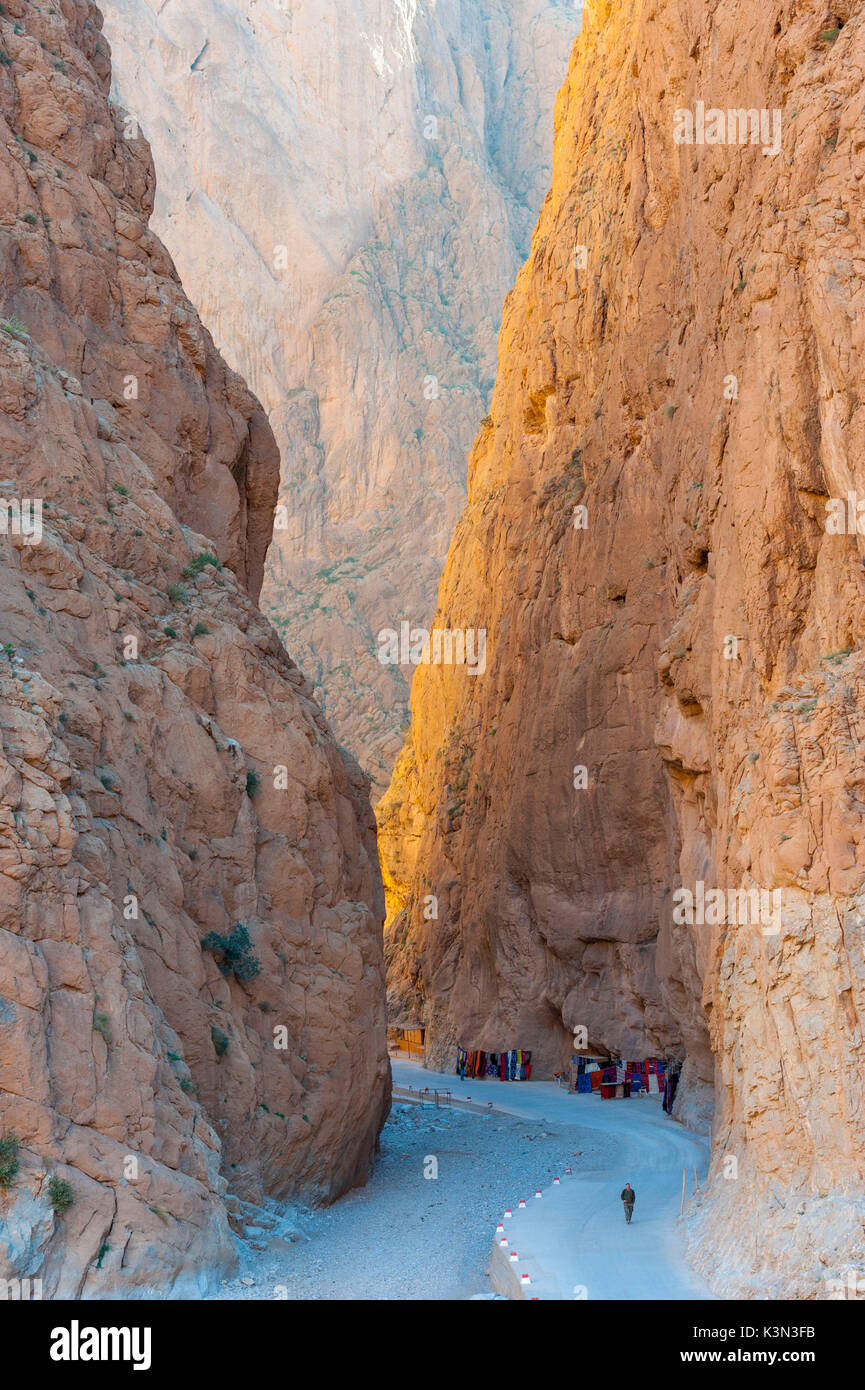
<point>410,1237</point>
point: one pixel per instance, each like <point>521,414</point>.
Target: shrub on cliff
<point>60,1195</point>
<point>233,953</point>
<point>8,1160</point>
<point>199,564</point>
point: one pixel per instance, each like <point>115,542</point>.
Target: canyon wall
<point>348,192</point>
<point>673,684</point>
<point>191,992</point>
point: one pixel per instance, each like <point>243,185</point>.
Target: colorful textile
<point>584,1085</point>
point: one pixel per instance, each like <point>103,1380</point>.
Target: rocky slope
<point>146,708</point>
<point>348,197</point>
<point>693,639</point>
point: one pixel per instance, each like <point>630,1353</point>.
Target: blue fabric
<point>584,1083</point>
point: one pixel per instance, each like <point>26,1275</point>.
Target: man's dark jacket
<point>628,1195</point>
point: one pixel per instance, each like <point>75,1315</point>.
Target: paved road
<point>575,1237</point>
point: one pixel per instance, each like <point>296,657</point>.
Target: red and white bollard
<point>513,1257</point>
<point>522,1203</point>
<point>538,1193</point>
<point>556,1182</point>
<point>508,1213</point>
<point>524,1279</point>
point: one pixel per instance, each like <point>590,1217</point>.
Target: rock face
<point>680,357</point>
<point>348,195</point>
<point>166,778</point>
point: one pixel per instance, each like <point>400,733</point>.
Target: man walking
<point>629,1196</point>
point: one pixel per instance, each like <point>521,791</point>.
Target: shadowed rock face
<point>693,640</point>
<point>348,192</point>
<point>145,704</point>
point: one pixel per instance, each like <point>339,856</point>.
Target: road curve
<point>573,1241</point>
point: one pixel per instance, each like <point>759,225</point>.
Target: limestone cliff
<point>190,953</point>
<point>348,192</point>
<point>681,359</point>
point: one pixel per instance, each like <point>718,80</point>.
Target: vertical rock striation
<point>348,193</point>
<point>680,357</point>
<point>146,709</point>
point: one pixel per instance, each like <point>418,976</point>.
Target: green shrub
<point>102,1025</point>
<point>177,593</point>
<point>200,563</point>
<point>200,630</point>
<point>170,632</point>
<point>253,783</point>
<point>219,1040</point>
<point>9,1164</point>
<point>60,1195</point>
<point>233,953</point>
<point>187,1084</point>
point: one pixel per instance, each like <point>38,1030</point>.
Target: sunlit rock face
<point>673,687</point>
<point>191,978</point>
<point>348,191</point>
